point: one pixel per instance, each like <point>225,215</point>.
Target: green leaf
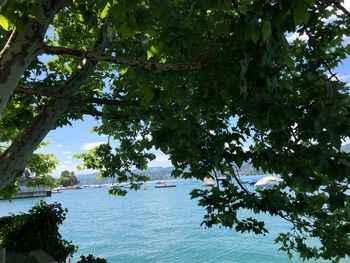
<point>266,30</point>
<point>253,32</point>
<point>4,23</point>
<point>36,12</point>
<point>105,10</point>
<point>347,209</point>
<point>98,177</point>
<point>123,71</point>
<point>244,66</point>
<point>149,54</point>
<point>148,94</point>
<point>301,14</point>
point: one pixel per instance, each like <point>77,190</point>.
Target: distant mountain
<point>156,169</point>
<point>164,173</point>
<point>154,173</point>
<point>91,179</point>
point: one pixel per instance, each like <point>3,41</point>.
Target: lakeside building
<point>26,191</point>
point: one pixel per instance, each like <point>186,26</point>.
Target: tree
<point>39,166</point>
<point>201,81</point>
<point>67,179</point>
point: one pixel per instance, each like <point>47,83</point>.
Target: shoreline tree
<point>200,81</point>
<point>67,178</point>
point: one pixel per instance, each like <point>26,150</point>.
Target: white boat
<point>164,184</point>
<point>209,182</point>
<point>267,182</point>
<point>125,185</point>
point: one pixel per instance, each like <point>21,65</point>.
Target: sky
<point>69,140</point>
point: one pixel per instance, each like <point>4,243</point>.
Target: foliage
<point>252,93</point>
<point>41,166</point>
<point>37,229</point>
<point>10,190</point>
<point>67,179</point>
<point>116,163</point>
<point>91,259</point>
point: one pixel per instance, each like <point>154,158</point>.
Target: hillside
<point>154,173</point>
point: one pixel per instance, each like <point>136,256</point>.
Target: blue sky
<point>70,140</point>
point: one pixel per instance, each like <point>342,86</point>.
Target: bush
<point>37,229</point>
<point>91,259</point>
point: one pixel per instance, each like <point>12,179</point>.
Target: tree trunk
<point>21,48</point>
<point>13,160</point>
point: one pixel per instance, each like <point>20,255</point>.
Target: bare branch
<point>97,56</point>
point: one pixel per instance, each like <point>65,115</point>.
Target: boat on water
<point>163,184</point>
<point>127,185</point>
<point>249,180</point>
<point>267,182</point>
<point>208,182</point>
<point>124,185</point>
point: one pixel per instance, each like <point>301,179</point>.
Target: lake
<point>154,225</point>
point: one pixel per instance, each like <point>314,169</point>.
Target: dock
<point>28,192</point>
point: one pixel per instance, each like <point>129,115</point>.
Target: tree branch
<point>100,114</point>
<point>342,8</point>
<point>78,99</point>
<point>97,56</point>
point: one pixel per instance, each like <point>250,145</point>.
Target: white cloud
<point>345,77</point>
<point>66,152</point>
<point>161,160</point>
<point>70,166</point>
<point>345,141</point>
<point>90,145</point>
<point>59,145</point>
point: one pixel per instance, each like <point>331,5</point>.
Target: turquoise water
<point>153,225</point>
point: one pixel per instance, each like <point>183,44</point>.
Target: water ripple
<point>153,225</point>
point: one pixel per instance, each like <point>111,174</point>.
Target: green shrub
<point>37,229</point>
<point>91,259</point>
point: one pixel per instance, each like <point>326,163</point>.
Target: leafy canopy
<point>202,81</point>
